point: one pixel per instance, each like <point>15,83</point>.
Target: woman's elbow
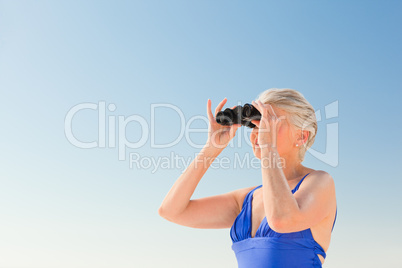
<point>277,225</point>
<point>165,214</point>
<point>282,225</point>
<point>162,212</point>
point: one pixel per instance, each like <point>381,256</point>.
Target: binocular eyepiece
<point>239,115</point>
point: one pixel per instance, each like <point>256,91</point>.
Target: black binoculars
<point>238,115</point>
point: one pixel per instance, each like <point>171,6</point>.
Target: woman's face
<point>285,140</point>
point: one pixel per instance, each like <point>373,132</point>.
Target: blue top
<point>269,249</point>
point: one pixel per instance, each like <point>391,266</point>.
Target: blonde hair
<point>301,113</point>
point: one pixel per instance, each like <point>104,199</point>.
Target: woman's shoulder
<point>240,195</point>
<point>321,175</point>
<point>319,179</point>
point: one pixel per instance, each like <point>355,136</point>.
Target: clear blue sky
<point>64,206</point>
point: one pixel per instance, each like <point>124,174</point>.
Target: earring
<point>297,145</point>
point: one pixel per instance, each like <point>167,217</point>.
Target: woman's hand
<point>268,125</point>
<point>219,136</point>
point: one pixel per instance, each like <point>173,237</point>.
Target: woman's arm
<point>287,212</point>
<point>210,212</point>
<point>178,198</point>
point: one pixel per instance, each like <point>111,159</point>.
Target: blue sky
<point>64,206</point>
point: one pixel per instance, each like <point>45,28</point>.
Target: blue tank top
<point>269,249</point>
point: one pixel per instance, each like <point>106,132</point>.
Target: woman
<point>287,220</point>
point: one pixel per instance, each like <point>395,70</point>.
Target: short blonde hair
<point>300,111</point>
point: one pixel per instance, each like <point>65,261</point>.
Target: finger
<point>256,105</point>
<point>263,108</point>
<point>262,105</point>
<point>272,110</point>
<point>209,112</point>
<point>233,129</point>
<point>220,105</point>
<point>256,122</point>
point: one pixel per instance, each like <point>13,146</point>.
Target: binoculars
<point>238,115</point>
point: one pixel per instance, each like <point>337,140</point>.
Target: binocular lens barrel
<point>239,115</point>
<point>247,110</point>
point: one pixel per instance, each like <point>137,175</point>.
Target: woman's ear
<point>303,136</point>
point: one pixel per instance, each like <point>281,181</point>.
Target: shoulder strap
<point>247,198</point>
<point>252,191</point>
<point>336,213</point>
<point>298,185</point>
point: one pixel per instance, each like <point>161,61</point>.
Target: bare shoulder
<point>322,177</point>
<point>320,180</point>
